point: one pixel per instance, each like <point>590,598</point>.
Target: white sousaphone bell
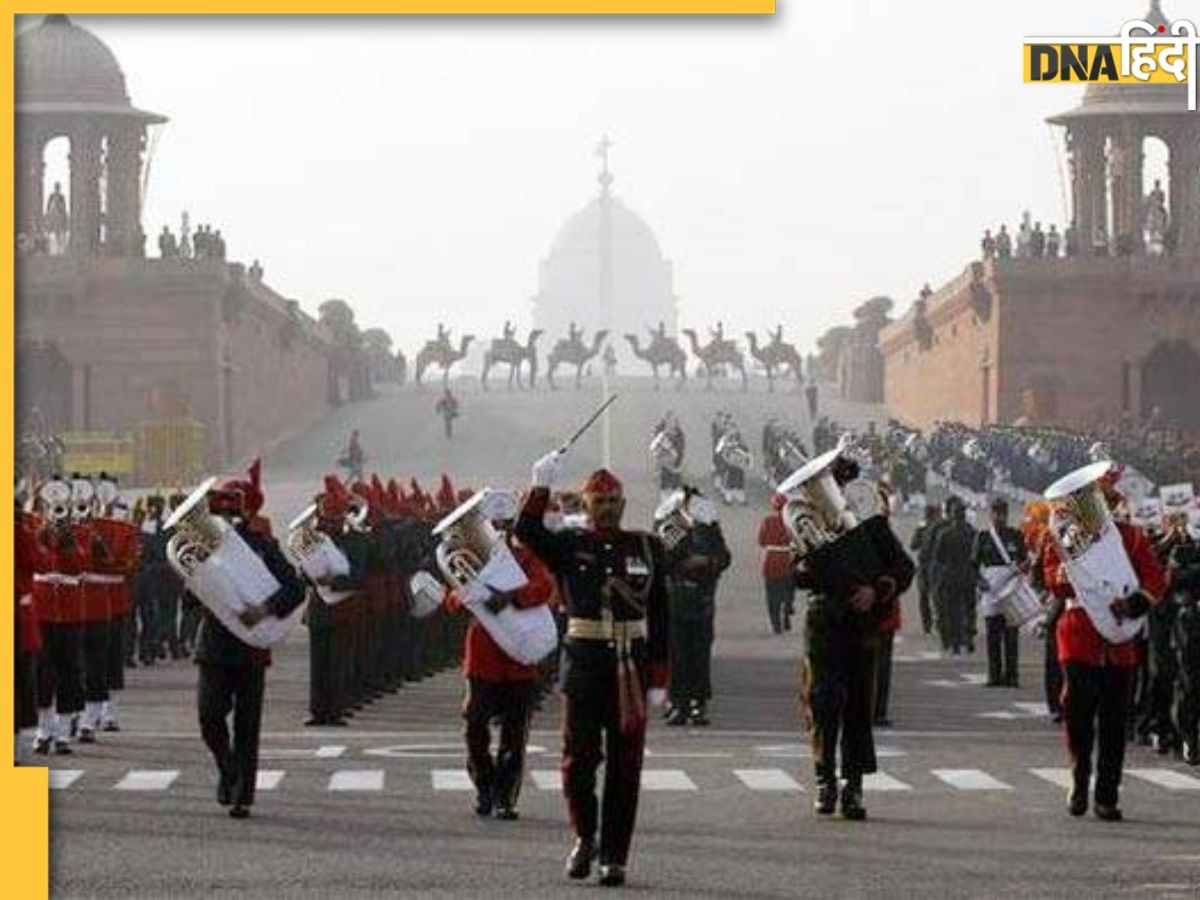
<point>475,558</point>
<point>1092,552</point>
<point>221,570</point>
<point>663,449</point>
<point>55,499</point>
<point>818,511</point>
<point>733,451</point>
<point>316,554</point>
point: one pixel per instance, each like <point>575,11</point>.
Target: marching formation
<point>532,587</point>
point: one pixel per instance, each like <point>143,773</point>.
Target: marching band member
<point>1099,673</point>
<point>27,645</point>
<point>778,580</point>
<point>694,564</point>
<point>841,637</point>
<point>62,550</point>
<point>613,584</point>
<point>497,686</point>
<point>232,673</point>
<point>325,686</point>
<point>999,555</point>
<point>124,539</point>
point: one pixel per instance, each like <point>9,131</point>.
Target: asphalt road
<point>969,803</point>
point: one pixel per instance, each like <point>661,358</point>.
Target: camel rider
<point>509,331</point>
<point>718,333</point>
<point>447,408</point>
<point>574,334</point>
<point>659,333</point>
<point>443,335</point>
<point>777,334</point>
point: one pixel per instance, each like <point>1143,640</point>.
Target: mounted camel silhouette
<point>717,353</point>
<point>572,351</point>
<point>506,351</point>
<point>662,351</point>
<point>778,356</point>
<point>440,353</point>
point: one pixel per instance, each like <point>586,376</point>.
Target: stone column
<point>85,190</point>
<point>1125,166</point>
<point>1089,183</point>
<point>30,173</point>
<point>123,227</point>
<point>1183,171</point>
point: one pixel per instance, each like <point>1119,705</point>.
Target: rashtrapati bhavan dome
<point>605,269</point>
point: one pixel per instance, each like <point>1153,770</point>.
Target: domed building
<point>605,270</point>
<point>162,368</point>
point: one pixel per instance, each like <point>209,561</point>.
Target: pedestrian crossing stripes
<point>758,780</point>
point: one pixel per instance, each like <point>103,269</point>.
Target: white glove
<point>656,697</point>
<point>546,469</point>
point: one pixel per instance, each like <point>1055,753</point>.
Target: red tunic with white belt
<point>482,657</point>
<point>1077,638</point>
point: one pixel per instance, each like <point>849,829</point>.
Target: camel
<point>663,351</point>
<point>575,353</point>
<point>778,354</point>
<point>716,355</point>
<point>440,353</point>
<point>505,350</point>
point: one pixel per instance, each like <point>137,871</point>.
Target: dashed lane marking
<point>356,780</point>
<point>451,780</point>
<point>970,780</point>
<point>147,780</point>
<point>1057,777</point>
<point>61,779</point>
<point>666,780</point>
<point>268,779</point>
<point>1167,778</point>
<point>767,780</point>
<point>883,782</point>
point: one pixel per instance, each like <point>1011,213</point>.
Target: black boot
<point>827,792</point>
<point>612,874</point>
<point>579,863</point>
<point>1077,799</point>
<point>852,800</point>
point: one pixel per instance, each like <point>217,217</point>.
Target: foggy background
<point>790,166</point>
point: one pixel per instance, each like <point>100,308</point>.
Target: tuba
<point>733,452</point>
<point>1092,552</point>
<point>316,554</point>
<point>221,570</point>
<point>816,513</point>
<point>476,559</point>
<point>356,514</point>
<point>672,522</point>
<point>55,499</point>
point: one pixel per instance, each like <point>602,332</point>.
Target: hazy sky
<point>791,166</point>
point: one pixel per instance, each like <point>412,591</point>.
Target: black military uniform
<point>840,647</point>
<point>1001,635</point>
<point>955,587</point>
<point>613,588</point>
<point>922,546</point>
<point>325,686</point>
<point>693,564</point>
<point>232,678</point>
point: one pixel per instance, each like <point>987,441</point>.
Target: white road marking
<point>356,780</point>
<point>767,780</point>
<point>803,751</point>
<point>147,780</point>
<point>1032,707</point>
<point>61,779</point>
<point>970,780</point>
<point>325,751</point>
<point>882,781</point>
<point>666,780</point>
<point>1058,777</point>
<point>973,677</point>
<point>547,779</point>
<point>268,779</point>
<point>1167,778</point>
<point>451,780</point>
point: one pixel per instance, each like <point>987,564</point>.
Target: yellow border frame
<point>25,834</point>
